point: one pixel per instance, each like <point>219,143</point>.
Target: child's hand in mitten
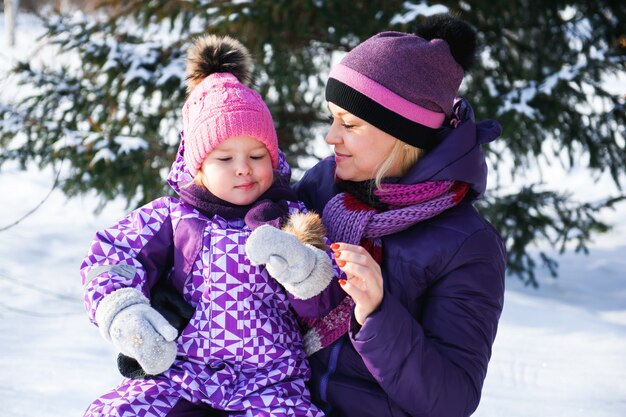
<point>140,332</point>
<point>127,320</point>
<point>302,269</point>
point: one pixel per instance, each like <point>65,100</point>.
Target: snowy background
<point>560,350</point>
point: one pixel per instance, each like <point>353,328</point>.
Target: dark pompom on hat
<point>405,84</point>
<point>211,54</point>
<point>458,34</point>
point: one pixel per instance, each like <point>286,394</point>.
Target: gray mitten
<point>126,319</point>
<point>302,269</point>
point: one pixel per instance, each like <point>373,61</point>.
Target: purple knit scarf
<point>351,218</point>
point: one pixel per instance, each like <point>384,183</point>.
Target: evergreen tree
<point>114,117</point>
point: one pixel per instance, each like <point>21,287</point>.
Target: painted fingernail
<point>337,254</point>
<point>341,262</point>
<point>334,246</point>
<point>342,282</point>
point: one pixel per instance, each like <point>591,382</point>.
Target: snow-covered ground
<point>560,351</point>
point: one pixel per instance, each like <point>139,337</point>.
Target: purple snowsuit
<point>425,351</point>
<point>242,350</point>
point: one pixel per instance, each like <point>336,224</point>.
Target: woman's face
<point>360,148</point>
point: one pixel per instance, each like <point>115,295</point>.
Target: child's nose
<point>243,168</point>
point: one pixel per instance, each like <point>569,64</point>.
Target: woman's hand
<point>365,280</point>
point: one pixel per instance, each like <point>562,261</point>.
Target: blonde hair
<point>406,154</point>
<point>197,179</point>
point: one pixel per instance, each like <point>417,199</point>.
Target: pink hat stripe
<point>386,97</point>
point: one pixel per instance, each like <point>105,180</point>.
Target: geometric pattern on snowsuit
<point>242,350</point>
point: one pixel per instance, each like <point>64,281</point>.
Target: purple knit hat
<point>219,105</point>
<point>401,83</point>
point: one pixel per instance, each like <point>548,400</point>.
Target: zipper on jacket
<point>330,369</point>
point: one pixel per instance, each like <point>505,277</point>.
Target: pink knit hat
<point>219,105</point>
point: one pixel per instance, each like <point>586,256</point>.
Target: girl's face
<point>360,148</point>
<point>239,170</point>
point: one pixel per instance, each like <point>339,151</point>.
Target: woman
<point>425,271</point>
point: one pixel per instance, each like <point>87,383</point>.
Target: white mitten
<point>302,269</point>
<point>126,319</point>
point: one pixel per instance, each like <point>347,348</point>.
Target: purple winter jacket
<point>425,351</point>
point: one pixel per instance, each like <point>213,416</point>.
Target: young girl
<point>241,352</point>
